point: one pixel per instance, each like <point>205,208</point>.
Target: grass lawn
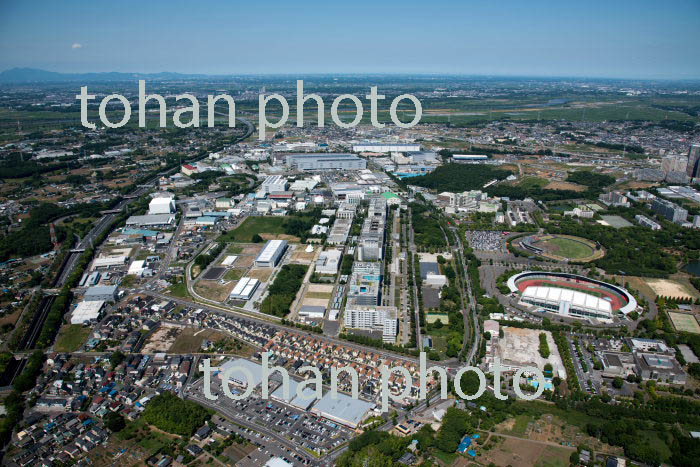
<point>234,250</point>
<point>571,417</point>
<point>554,457</point>
<point>448,458</point>
<point>71,337</point>
<point>128,281</point>
<point>179,290</point>
<point>570,248</point>
<point>233,274</point>
<point>252,226</point>
<point>318,295</point>
<point>142,434</point>
<point>521,422</point>
<point>533,182</point>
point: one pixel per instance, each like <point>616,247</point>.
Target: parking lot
<point>275,420</point>
<point>486,240</point>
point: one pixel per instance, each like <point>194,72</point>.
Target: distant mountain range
<point>33,75</point>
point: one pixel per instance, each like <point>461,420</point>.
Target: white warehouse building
<point>271,254</point>
<point>385,147</point>
<point>245,288</point>
<point>274,183</point>
<point>162,205</point>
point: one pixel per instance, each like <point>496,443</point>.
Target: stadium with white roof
<point>572,295</point>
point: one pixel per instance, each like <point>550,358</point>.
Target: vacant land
<point>510,451</point>
<point>261,274</point>
<point>256,226</point>
<point>670,288</point>
<point>213,290</point>
<point>71,337</point>
<point>179,290</point>
<point>233,274</point>
<point>564,186</point>
<point>162,339</point>
<point>190,341</point>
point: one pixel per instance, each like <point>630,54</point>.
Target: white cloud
<point>76,45</point>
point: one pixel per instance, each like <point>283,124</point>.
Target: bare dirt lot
<point>261,274</point>
<point>289,238</point>
<point>214,290</point>
<point>320,288</point>
<point>300,255</point>
<point>522,452</point>
<point>671,288</point>
<point>162,339</point>
<point>564,186</point>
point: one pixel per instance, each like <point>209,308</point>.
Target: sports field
<point>684,322</point>
<point>432,317</point>
<point>616,301</point>
<point>562,247</point>
<point>569,248</point>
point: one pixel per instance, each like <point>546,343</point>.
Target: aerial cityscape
<point>429,257</point>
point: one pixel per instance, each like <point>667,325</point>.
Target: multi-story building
<point>614,198</point>
<point>644,221</point>
<point>693,167</point>
<point>373,318</point>
<point>328,262</point>
<point>674,163</point>
<point>669,210</point>
<point>371,242</point>
<point>365,283</point>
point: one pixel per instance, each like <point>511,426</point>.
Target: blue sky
<point>612,38</point>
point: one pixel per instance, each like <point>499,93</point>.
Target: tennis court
<point>684,322</point>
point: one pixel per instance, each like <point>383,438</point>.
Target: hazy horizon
<point>608,40</point>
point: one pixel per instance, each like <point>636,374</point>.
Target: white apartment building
<point>373,318</point>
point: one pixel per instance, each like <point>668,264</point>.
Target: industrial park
<point>293,235</point>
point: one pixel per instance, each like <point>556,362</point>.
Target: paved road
<point>451,367</point>
<point>233,416</point>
